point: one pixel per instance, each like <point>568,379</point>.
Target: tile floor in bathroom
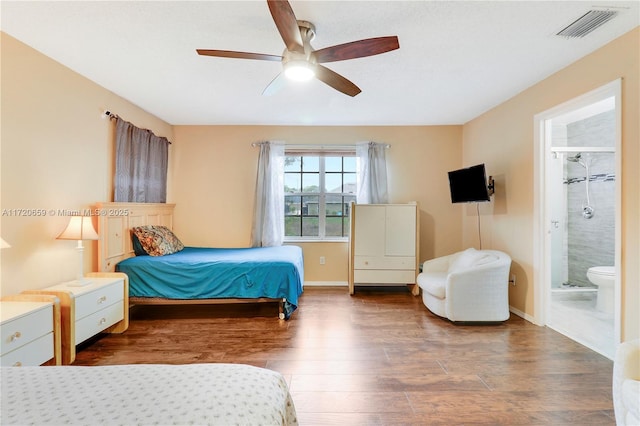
<point>574,314</point>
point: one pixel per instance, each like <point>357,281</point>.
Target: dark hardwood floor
<point>380,358</point>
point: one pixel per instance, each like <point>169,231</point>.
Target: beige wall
<point>56,154</point>
<point>215,172</point>
<point>503,138</point>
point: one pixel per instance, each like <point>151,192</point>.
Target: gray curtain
<point>141,165</point>
<point>268,219</point>
<point>372,175</point>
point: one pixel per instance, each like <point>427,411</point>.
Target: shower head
<point>576,158</point>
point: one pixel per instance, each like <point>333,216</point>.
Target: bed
<point>195,274</point>
<point>214,394</point>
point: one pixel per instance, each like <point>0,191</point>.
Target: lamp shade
<point>79,228</point>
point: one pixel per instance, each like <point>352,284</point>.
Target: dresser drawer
<point>98,321</point>
<point>367,276</point>
<point>35,352</point>
<point>93,301</point>
<point>25,329</point>
<point>388,262</point>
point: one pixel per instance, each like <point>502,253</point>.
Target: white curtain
<point>268,221</point>
<point>372,174</point>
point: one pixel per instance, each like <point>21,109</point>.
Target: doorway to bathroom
<point>577,207</point>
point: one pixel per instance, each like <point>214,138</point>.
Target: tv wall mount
<point>491,185</point>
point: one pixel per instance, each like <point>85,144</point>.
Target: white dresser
<point>101,306</point>
<point>29,327</point>
<point>383,247</point>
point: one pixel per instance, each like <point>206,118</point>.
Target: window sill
<point>326,240</point>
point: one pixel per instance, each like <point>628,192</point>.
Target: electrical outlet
<point>513,279</point>
<point>322,260</point>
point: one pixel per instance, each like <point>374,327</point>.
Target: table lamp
<point>79,228</point>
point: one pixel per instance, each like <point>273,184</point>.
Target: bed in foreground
<point>213,394</point>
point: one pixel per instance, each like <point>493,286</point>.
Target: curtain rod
<point>316,147</point>
<point>109,114</point>
<point>113,116</point>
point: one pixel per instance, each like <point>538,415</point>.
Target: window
<point>318,188</point>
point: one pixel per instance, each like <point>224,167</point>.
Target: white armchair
<point>471,285</point>
<point>626,383</point>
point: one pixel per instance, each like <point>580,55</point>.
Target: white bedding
<point>215,394</point>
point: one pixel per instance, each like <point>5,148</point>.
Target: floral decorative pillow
<point>157,240</point>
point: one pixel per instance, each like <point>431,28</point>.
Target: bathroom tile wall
<point>591,242</point>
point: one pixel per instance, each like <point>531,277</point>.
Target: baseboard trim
<point>326,284</point>
<point>521,314</point>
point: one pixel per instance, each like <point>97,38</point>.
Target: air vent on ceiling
<point>587,23</point>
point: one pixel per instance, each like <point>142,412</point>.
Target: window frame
<point>321,152</point>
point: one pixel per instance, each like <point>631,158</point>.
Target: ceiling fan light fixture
<point>300,61</point>
<point>299,71</point>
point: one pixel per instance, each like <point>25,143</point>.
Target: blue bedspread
<point>218,273</point>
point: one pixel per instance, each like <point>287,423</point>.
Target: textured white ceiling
<point>457,59</point>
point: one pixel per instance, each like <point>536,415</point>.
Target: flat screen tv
<point>469,185</point>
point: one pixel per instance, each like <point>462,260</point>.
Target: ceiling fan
<point>300,61</point>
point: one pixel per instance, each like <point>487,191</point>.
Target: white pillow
<point>469,259</point>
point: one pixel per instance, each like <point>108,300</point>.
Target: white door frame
<point>542,219</point>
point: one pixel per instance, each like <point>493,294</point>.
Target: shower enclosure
<point>583,233</point>
<point>581,202</point>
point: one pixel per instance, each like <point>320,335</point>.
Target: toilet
<point>604,277</point>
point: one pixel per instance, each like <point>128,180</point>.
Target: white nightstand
<point>101,306</point>
<point>30,330</point>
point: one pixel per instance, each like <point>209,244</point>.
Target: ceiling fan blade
<point>275,86</point>
<point>239,55</point>
<point>287,24</point>
<point>357,49</point>
<point>335,80</point>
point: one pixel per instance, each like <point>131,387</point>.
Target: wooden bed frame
<point>114,223</point>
